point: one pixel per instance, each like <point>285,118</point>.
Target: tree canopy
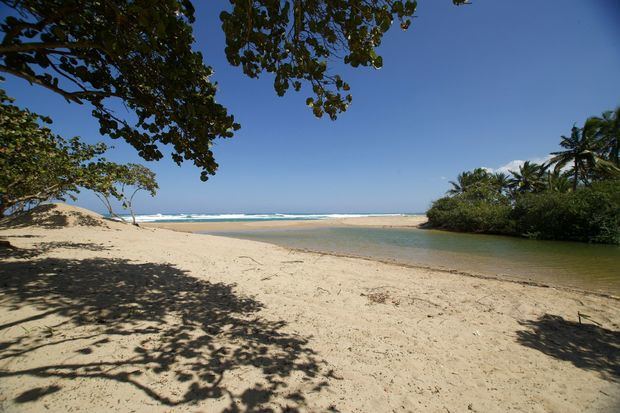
<point>38,165</point>
<point>140,52</point>
<point>123,182</point>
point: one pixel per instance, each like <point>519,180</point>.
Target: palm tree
<point>458,187</point>
<point>582,149</point>
<point>558,181</point>
<point>466,179</point>
<point>529,178</point>
<point>500,180</point>
<point>609,134</point>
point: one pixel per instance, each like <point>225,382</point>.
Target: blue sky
<point>478,85</point>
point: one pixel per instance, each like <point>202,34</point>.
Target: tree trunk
<point>575,177</point>
<point>130,208</point>
<point>133,216</point>
<point>106,202</point>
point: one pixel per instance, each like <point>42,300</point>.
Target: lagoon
<point>569,264</point>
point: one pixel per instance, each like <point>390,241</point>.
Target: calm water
<point>592,267</point>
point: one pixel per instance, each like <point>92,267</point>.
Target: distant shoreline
<point>410,221</point>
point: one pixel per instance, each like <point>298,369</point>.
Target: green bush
<point>546,215</point>
<point>591,214</point>
<point>470,215</point>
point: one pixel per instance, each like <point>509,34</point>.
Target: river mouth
<point>582,266</point>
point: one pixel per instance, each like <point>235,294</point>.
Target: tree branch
<point>29,47</point>
<point>41,195</point>
<point>33,79</point>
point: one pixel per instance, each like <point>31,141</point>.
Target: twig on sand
<point>482,298</point>
<point>323,289</point>
<point>587,317</point>
<point>426,301</point>
<point>291,262</point>
<point>488,306</point>
<point>249,258</point>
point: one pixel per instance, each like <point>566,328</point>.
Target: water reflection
<point>586,266</point>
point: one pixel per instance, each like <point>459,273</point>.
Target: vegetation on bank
<point>39,166</point>
<point>574,196</point>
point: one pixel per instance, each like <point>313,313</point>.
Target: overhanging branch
<point>33,79</point>
<point>29,47</point>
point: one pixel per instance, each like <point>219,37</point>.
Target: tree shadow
<point>190,330</point>
<point>36,393</point>
<point>587,346</point>
<point>45,247</point>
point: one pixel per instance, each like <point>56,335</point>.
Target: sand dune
<point>101,316</point>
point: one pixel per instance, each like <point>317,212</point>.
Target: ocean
<point>199,217</point>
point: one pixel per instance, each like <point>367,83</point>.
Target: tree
<point>529,178</point>
<point>582,150</point>
<point>558,181</point>
<point>37,165</point>
<point>104,184</point>
<point>609,134</point>
<point>466,180</point>
<point>500,180</point>
<point>122,182</point>
<point>134,179</point>
<point>140,52</point>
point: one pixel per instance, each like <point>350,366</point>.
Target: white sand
<point>100,316</point>
<point>386,222</point>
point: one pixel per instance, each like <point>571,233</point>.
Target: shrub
<point>591,214</point>
<point>470,215</point>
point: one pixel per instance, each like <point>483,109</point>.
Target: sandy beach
<point>386,222</point>
<point>102,316</point>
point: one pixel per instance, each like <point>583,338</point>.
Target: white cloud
<point>515,164</point>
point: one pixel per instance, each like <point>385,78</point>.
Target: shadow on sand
<point>41,248</point>
<point>185,329</point>
<point>587,346</point>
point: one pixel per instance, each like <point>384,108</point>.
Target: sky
<point>483,85</point>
